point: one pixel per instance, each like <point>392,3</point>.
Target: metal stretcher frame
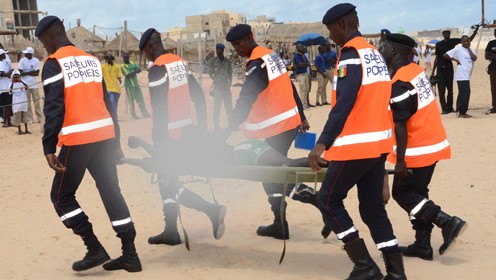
<point>268,174</point>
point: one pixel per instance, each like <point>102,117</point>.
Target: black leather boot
<point>304,193</point>
<point>394,266</point>
<point>95,256</point>
<point>129,261</point>
<point>277,230</point>
<point>421,248</point>
<point>451,228</point>
<point>365,268</point>
<point>170,235</point>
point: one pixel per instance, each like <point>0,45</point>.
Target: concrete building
<point>215,24</point>
<point>20,15</point>
<point>260,26</point>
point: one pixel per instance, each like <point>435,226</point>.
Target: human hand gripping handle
<point>304,126</point>
<point>54,163</point>
<point>314,159</point>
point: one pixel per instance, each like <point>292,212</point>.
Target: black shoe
<point>394,266</point>
<point>492,111</point>
<point>451,228</point>
<point>128,262</point>
<point>318,104</point>
<point>365,268</point>
<point>305,194</point>
<point>325,103</point>
<point>93,258</point>
<point>217,219</point>
<point>168,238</point>
<point>444,112</point>
<point>275,230</point>
<point>455,227</point>
<point>326,231</point>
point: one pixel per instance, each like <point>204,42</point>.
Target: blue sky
<point>374,14</point>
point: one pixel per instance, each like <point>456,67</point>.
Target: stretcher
<point>268,174</point>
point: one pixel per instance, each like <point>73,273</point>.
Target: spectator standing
<point>301,65</point>
<point>444,69</point>
<point>133,90</point>
<point>18,90</point>
<point>465,58</point>
<point>5,98</point>
<point>427,58</point>
<point>490,54</point>
<point>29,67</point>
<point>322,80</point>
<point>219,69</point>
<point>112,76</point>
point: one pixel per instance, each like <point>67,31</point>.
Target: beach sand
<point>35,244</point>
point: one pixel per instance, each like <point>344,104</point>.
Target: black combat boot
<point>451,228</point>
<point>277,230</point>
<point>95,256</point>
<point>365,268</point>
<point>216,215</point>
<point>129,261</point>
<point>170,235</point>
<point>304,193</point>
<point>421,248</point>
<point>394,266</point>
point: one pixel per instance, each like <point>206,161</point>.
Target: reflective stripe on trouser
<point>412,194</point>
<point>368,176</point>
<point>98,159</point>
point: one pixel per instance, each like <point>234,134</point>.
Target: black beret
<point>400,39</point>
<point>237,32</point>
<point>385,31</point>
<point>337,12</point>
<point>45,23</point>
<point>220,46</point>
<point>146,36</point>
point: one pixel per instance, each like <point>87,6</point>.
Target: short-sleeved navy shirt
<point>491,47</point>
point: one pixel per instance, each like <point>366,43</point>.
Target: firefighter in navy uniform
<point>269,108</point>
<point>172,91</point>
<point>416,115</point>
<point>356,139</point>
<point>80,119</point>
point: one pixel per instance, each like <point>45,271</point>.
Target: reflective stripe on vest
<point>86,126</point>
<point>86,118</point>
<point>279,118</point>
<point>427,142</point>
<point>363,138</point>
<point>367,132</point>
<point>180,124</point>
<point>275,110</point>
<point>418,151</point>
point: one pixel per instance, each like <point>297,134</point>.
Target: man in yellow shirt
<point>112,77</point>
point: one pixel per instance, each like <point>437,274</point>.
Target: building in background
<point>215,24</point>
<point>260,25</point>
<point>20,15</point>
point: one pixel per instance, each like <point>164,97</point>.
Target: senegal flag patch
<point>342,71</point>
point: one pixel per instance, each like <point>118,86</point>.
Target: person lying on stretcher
<point>214,152</point>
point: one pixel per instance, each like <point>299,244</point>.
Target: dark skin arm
<point>401,141</point>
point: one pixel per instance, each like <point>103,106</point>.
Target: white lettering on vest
<point>374,66</point>
<point>424,90</point>
<point>178,73</point>
<point>80,69</point>
<point>275,65</point>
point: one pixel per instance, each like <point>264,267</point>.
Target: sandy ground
<point>35,244</point>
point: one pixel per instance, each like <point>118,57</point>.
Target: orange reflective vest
<point>275,110</point>
<point>86,118</point>
<point>367,132</point>
<point>179,100</point>
<point>427,141</point>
